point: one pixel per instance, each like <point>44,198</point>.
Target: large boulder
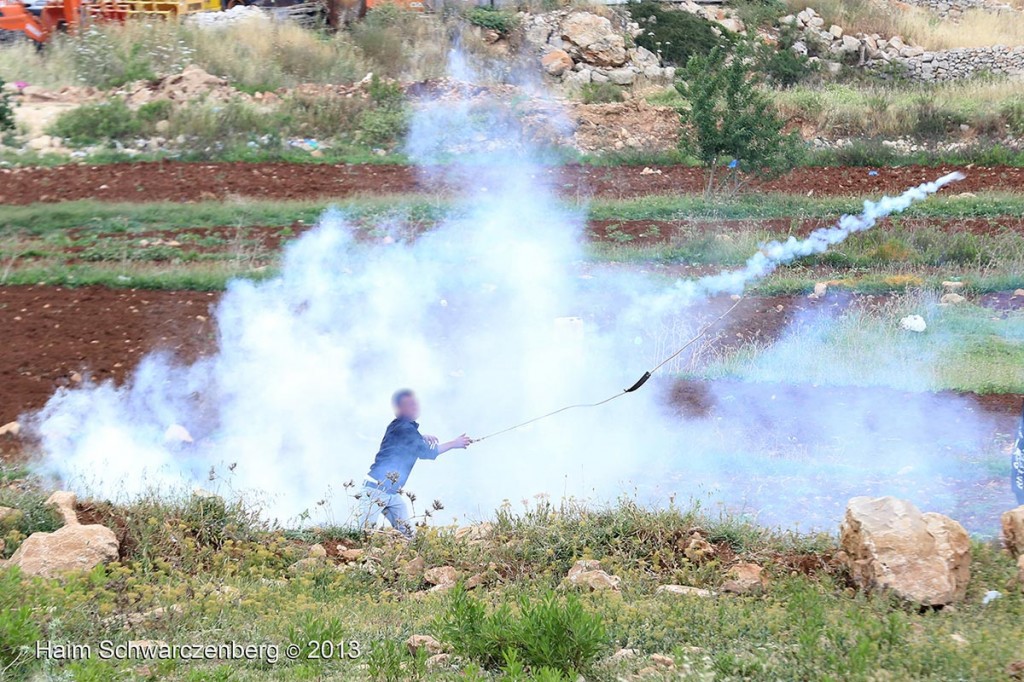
<point>594,39</point>
<point>1013,531</point>
<point>890,545</point>
<point>71,548</point>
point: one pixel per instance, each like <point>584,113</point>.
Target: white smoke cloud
<point>487,317</point>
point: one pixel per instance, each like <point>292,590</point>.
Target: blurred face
<point>408,408</point>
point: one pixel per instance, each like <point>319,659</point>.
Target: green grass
<point>34,240</point>
<point>965,348</point>
<point>103,216</point>
<point>227,576</point>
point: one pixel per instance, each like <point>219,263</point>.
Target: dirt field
<point>59,336</point>
<point>176,181</point>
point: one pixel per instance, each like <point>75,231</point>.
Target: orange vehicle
<point>54,15</point>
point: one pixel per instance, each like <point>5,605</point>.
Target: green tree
<point>731,122</point>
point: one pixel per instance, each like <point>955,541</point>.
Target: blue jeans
<point>374,501</point>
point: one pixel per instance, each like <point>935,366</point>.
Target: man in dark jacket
<point>402,446</point>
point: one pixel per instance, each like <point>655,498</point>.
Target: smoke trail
<point>775,253</point>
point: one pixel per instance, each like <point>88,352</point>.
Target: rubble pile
<point>633,124</point>
<point>190,85</point>
<point>576,48</point>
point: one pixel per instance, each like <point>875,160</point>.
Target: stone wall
<point>954,8</point>
<point>835,45</point>
<point>961,63</point>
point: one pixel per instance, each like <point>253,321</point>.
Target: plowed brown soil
<point>55,337</point>
<point>186,182</point>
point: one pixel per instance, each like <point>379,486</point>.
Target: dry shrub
<point>402,44</point>
<point>267,55</point>
<point>988,106</point>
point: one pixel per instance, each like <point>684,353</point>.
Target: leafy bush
<point>6,112</point>
<point>600,93</point>
<point>494,19</point>
<point>388,119</point>
<point>934,120</point>
<point>158,110</point>
<point>730,118</point>
<point>390,662</point>
<point>548,633</point>
<point>92,123</point>
<point>675,35</point>
<point>781,64</point>
<point>760,13</point>
<point>1012,111</point>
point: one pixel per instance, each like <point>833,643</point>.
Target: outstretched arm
<point>459,443</point>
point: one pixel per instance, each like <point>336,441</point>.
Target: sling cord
<point>639,382</point>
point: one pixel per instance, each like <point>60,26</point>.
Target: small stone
<point>556,62</point>
<point>698,549</point>
<point>1017,293</point>
<point>414,568</point>
<point>176,433</point>
<point>14,428</point>
<point>624,76</point>
<point>441,576</point>
<point>317,551</point>
<point>350,555</point>
<point>623,655</point>
<point>745,578</point>
<point>951,299</point>
<point>426,642</point>
<point>684,590</point>
<point>439,661</point>
<point>913,323</point>
<point>952,286</point>
<point>588,573</point>
<point>820,289</point>
<point>663,661</point>
<point>836,31</point>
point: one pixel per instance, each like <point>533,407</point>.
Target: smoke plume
<point>490,318</point>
